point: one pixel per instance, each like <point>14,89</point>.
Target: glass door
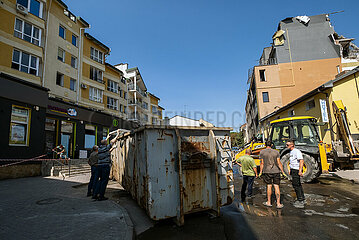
<point>67,137</point>
<point>50,135</point>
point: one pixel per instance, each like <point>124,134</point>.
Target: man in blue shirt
<point>103,168</point>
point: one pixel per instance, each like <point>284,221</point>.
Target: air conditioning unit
<point>83,86</point>
<point>21,9</point>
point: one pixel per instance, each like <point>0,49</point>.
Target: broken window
<point>262,76</point>
<point>291,113</point>
<point>59,79</point>
<point>278,38</point>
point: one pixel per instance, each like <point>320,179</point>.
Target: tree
<point>237,139</point>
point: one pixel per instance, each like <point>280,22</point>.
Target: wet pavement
<point>331,212</point>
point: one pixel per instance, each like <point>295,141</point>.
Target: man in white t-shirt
<point>296,171</point>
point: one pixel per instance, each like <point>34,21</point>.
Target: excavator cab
<point>304,132</point>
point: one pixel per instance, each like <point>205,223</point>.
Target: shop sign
<point>115,122</point>
<point>70,111</point>
<point>324,110</point>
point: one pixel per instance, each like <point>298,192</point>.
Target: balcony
<point>269,61</point>
<point>131,87</point>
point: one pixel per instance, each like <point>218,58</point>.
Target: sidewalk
<point>352,175</point>
<point>50,208</point>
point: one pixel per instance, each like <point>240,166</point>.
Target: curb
<point>355,181</point>
<point>130,233</point>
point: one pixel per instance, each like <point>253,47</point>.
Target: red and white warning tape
<point>17,161</point>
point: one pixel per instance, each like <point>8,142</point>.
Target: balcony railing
<point>131,87</point>
<point>270,61</point>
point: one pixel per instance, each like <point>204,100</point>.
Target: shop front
<point>22,118</point>
<point>77,128</point>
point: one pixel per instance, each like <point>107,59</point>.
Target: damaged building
<point>305,53</point>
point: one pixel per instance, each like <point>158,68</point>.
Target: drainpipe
<point>45,47</point>
<point>79,66</point>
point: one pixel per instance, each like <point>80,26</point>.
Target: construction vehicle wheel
<point>310,169</point>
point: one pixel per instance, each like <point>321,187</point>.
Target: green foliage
<point>237,139</point>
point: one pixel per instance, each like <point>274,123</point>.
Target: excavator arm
<point>340,114</point>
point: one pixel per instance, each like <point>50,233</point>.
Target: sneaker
<point>94,197</point>
<point>298,204</point>
<point>102,199</point>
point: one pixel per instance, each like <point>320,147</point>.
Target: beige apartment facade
<point>56,85</point>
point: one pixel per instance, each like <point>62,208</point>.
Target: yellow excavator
<point>318,157</point>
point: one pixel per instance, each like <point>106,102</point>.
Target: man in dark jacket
<point>103,168</point>
<point>93,163</point>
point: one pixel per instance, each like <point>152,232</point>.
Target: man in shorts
<point>271,167</point>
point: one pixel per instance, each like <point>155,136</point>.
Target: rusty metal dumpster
<point>173,171</point>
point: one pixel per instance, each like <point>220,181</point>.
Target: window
<point>96,94</point>
<point>262,75</point>
<point>74,40</point>
<point>96,74</point>
<point>291,113</point>
<point>125,95</point>
<point>124,109</point>
<point>112,103</point>
<point>154,121</point>
<point>112,86</point>
<point>305,134</point>
<point>73,84</point>
<point>265,96</point>
<point>121,108</point>
<point>145,105</point>
<point>25,62</point>
<point>96,55</point>
<point>33,6</point>
<point>59,79</point>
<point>62,32</point>
<point>19,126</point>
<point>145,117</point>
<point>90,135</point>
<point>73,62</point>
<point>61,55</point>
<point>27,32</point>
<point>310,104</point>
<point>154,109</point>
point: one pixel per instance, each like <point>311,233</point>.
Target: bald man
<point>249,172</point>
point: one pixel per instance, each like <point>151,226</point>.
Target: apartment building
<point>155,113</point>
<point>23,97</point>
<point>305,53</point>
<point>138,100</point>
<point>56,87</point>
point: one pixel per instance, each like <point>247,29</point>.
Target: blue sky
<point>195,55</point>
